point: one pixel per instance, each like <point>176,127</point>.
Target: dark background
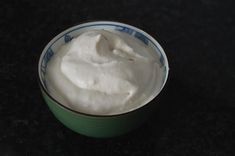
<point>196,114</point>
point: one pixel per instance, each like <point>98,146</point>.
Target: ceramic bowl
<point>99,125</point>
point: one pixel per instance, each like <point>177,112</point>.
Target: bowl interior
<point>67,35</point>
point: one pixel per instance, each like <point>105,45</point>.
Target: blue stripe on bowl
<point>46,58</point>
<point>141,37</point>
<point>124,29</point>
<point>67,38</point>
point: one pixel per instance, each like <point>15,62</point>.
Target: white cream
<point>102,72</point>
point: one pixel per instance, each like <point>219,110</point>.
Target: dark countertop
<point>197,108</point>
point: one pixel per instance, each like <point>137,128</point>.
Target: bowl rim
<point>154,41</point>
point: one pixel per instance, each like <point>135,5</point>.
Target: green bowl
<point>100,126</point>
